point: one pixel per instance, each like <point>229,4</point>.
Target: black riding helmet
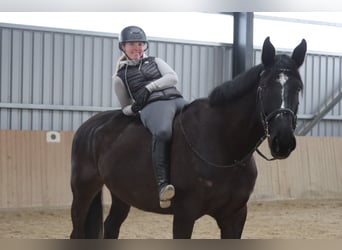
<point>132,34</point>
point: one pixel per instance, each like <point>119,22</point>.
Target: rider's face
<point>134,50</point>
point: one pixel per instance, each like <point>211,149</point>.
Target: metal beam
<point>303,130</point>
<point>243,42</point>
<point>54,107</point>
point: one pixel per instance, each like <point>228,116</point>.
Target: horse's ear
<point>268,52</point>
<point>299,52</point>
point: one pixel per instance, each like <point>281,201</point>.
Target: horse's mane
<point>233,89</point>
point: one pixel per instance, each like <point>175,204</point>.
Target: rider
<point>146,85</point>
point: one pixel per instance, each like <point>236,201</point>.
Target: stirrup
<point>165,204</point>
<point>167,192</point>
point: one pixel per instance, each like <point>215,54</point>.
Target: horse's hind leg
<point>86,208</point>
<point>80,210</point>
<point>117,214</point>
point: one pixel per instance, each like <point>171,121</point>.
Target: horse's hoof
<point>165,204</point>
<point>167,192</point>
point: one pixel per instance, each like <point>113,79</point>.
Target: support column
<point>243,42</point>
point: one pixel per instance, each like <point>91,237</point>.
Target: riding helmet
<point>132,34</point>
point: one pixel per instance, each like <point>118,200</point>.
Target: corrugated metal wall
<point>53,79</point>
<point>323,77</point>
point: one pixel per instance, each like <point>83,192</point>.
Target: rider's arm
<point>123,97</point>
<point>169,77</point>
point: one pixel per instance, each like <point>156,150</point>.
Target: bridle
<point>265,119</point>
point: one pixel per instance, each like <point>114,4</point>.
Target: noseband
<point>266,119</point>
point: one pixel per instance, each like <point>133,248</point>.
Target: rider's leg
<point>158,118</point>
<point>161,166</point>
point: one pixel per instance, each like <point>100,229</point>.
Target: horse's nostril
<point>276,146</point>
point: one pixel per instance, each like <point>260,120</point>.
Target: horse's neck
<point>232,128</point>
<point>241,117</point>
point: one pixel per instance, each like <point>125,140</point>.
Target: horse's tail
<point>94,221</point>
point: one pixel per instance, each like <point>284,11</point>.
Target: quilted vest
<point>139,75</point>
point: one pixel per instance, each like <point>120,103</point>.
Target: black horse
<point>212,166</point>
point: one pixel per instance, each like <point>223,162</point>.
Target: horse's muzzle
<point>281,149</point>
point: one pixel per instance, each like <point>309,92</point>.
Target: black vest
<point>139,75</point>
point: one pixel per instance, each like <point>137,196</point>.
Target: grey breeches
<point>158,117</point>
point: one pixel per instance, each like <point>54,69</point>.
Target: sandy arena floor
<point>307,219</point>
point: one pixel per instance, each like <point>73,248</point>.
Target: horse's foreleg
<point>232,224</point>
<point>182,226</point>
<point>117,214</point>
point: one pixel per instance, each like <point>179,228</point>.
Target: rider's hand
<point>136,107</point>
<point>141,97</point>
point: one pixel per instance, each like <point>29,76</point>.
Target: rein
<point>236,162</point>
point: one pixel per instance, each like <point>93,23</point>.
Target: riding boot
<point>161,166</point>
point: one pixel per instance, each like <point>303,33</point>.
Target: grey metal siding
<point>54,79</point>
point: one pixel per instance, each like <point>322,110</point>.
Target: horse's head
<point>278,97</point>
